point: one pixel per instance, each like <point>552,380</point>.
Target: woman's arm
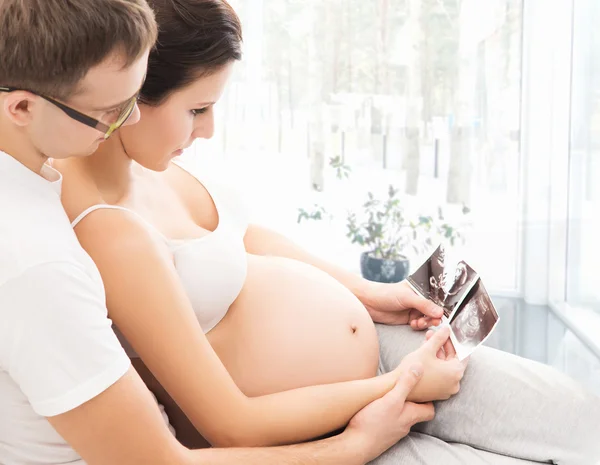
<point>395,304</point>
<point>147,302</point>
<point>263,241</point>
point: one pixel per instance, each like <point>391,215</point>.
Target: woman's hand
<point>399,304</point>
<point>443,372</point>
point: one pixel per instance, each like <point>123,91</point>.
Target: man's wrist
<point>359,446</point>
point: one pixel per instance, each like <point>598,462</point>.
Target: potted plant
<point>389,236</point>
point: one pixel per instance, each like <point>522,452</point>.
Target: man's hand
<point>385,421</point>
<point>398,304</point>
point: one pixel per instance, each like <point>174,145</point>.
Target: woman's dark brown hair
<point>196,38</point>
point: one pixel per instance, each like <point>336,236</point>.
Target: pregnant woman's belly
<point>293,326</point>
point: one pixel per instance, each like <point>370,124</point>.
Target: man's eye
<point>113,112</point>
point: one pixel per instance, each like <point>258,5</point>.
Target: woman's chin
<point>161,164</point>
<point>167,161</point>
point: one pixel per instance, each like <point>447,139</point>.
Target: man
<point>69,77</point>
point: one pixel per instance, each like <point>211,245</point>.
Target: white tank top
<point>212,268</point>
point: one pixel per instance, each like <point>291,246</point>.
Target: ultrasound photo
<point>443,280</point>
<point>425,280</point>
<point>474,321</point>
<point>457,288</point>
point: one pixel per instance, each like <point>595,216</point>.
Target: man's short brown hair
<point>48,46</point>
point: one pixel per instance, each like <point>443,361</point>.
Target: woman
<point>290,350</point>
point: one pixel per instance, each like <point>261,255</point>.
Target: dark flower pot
<point>383,270</point>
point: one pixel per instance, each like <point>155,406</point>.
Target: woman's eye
<point>199,111</point>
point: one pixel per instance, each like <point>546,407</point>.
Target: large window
<point>583,253</point>
<point>423,95</point>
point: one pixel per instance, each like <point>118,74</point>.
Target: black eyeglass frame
<point>106,129</point>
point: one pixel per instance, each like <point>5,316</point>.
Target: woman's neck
<point>111,170</point>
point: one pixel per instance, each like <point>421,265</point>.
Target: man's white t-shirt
<point>57,347</point>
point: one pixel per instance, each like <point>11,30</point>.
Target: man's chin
<point>91,151</point>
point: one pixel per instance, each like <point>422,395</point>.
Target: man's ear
<point>19,106</point>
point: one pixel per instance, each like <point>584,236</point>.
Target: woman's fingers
<point>447,352</point>
<point>438,339</point>
<point>440,353</point>
<point>449,349</point>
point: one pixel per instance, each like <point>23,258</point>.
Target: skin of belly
<point>291,326</point>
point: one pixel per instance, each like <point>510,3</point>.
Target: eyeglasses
<point>124,113</point>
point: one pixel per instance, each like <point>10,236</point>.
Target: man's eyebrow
<point>112,107</point>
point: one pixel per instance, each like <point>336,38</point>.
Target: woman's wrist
<point>387,381</point>
<point>362,288</point>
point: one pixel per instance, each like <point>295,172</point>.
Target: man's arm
<point>371,432</point>
<point>333,451</point>
<point>123,426</point>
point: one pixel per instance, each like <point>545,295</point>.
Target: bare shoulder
<point>122,245</point>
<point>104,231</point>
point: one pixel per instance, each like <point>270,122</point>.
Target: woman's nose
<point>205,128</point>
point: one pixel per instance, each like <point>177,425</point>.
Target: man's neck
<point>15,144</point>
